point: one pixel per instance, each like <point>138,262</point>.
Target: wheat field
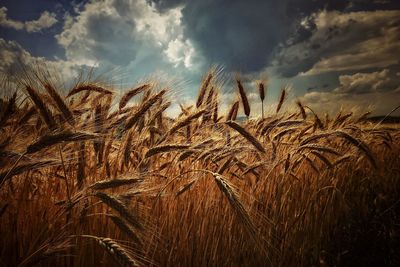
<point>94,177</point>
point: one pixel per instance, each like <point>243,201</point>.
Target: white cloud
<point>45,21</point>
<point>344,42</point>
<point>9,23</point>
<point>162,27</point>
<point>16,60</point>
<point>179,51</point>
<point>331,103</point>
<point>378,91</point>
<point>126,33</point>
<point>379,81</point>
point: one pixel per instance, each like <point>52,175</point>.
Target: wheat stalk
<point>302,110</point>
<point>107,184</point>
<point>61,105</point>
<point>246,135</point>
<point>203,89</point>
<point>232,114</point>
<point>118,206</point>
<point>182,123</point>
<point>185,187</point>
<point>115,250</point>
<point>131,93</point>
<point>164,148</point>
<point>44,112</point>
<point>126,228</point>
<point>23,168</point>
<point>58,137</point>
<point>281,99</point>
<point>6,114</point>
<point>261,92</point>
<point>245,101</point>
<point>142,109</point>
<point>89,87</point>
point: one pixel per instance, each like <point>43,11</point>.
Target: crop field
<point>96,177</point>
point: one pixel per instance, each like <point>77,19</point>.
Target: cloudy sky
<point>335,53</point>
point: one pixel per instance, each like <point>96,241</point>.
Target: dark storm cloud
<point>163,5</point>
<point>243,35</point>
<point>238,34</point>
<point>110,30</point>
<point>344,42</point>
<point>371,5</point>
<point>231,33</point>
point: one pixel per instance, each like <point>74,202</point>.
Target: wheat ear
<point>246,135</point>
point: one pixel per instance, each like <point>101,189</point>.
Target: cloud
<point>331,103</point>
<point>126,33</point>
<point>16,61</point>
<point>378,91</point>
<point>179,51</point>
<point>360,83</point>
<point>12,55</point>
<point>343,42</point>
<point>243,35</point>
<point>237,34</point>
<point>45,21</point>
<point>9,23</point>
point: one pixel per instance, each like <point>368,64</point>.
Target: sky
<point>334,54</point>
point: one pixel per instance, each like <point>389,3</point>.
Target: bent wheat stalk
<point>55,138</point>
<point>61,105</point>
<point>246,135</point>
<point>354,141</point>
<point>118,206</point>
<point>181,123</point>
<point>281,99</point>
<point>107,184</point>
<point>203,89</point>
<point>245,101</point>
<point>15,170</point>
<point>141,110</point>
<point>232,114</point>
<point>44,112</point>
<point>131,93</point>
<point>115,250</point>
<point>164,148</point>
<point>90,87</point>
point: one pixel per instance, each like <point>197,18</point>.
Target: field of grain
<point>96,178</point>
